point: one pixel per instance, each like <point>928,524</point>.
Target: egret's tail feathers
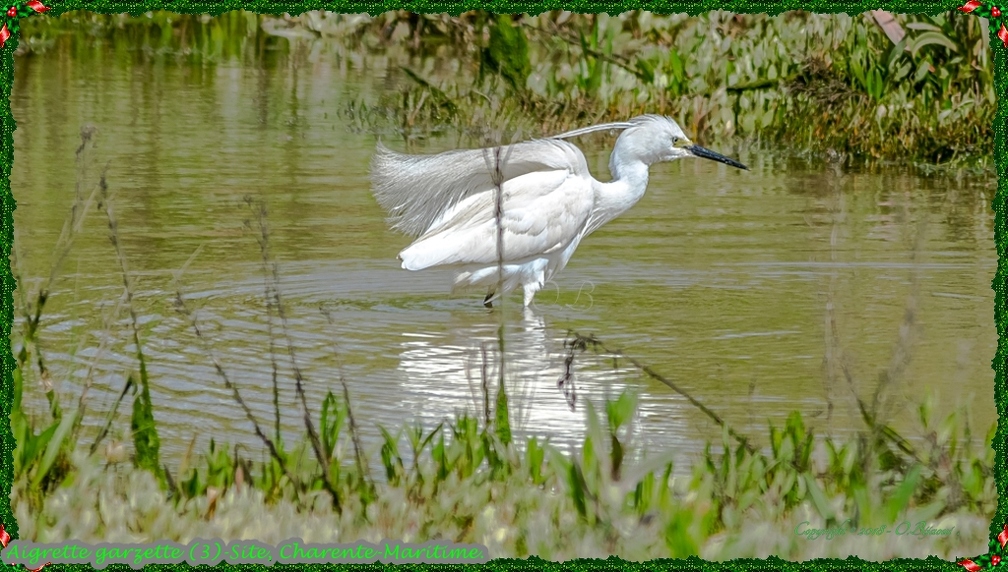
<point>427,253</point>
<point>416,190</point>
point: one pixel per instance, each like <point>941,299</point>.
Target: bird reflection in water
<point>459,370</point>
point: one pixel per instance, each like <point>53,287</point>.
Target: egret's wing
<point>417,190</point>
<point>542,213</point>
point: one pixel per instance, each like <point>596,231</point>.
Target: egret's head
<point>657,138</point>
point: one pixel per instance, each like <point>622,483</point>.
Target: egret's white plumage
<point>549,201</point>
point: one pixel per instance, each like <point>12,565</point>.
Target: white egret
<point>549,201</point>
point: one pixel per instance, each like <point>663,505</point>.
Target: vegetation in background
<point>804,82</point>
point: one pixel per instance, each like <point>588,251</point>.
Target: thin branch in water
<point>355,438</point>
<point>362,466</point>
<point>485,384</point>
<point>103,344</point>
<point>111,416</point>
<point>270,266</point>
<point>219,369</point>
<point>270,294</point>
<point>32,312</point>
<point>147,448</point>
<point>113,226</point>
<point>583,342</point>
<point>835,358</point>
<point>496,157</point>
<point>78,210</point>
<point>566,383</point>
<point>497,176</point>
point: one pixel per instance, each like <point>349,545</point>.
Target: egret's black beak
<point>699,151</point>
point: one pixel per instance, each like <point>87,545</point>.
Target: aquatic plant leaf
<point>923,26</point>
<point>146,443</point>
<point>901,497</point>
<point>534,457</point>
<point>922,70</point>
<point>818,497</point>
<point>678,539</point>
<point>577,486</point>
<point>620,411</point>
<point>643,493</point>
<point>390,457</point>
<point>932,39</point>
<point>895,53</point>
<point>645,70</point>
<point>502,425</point>
<point>53,447</point>
<point>332,418</point>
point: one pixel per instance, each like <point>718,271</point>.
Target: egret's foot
<point>486,301</point>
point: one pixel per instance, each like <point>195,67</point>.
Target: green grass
<point>460,481</point>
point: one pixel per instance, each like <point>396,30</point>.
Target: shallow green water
<point>718,279</point>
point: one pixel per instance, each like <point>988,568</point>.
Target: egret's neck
<point>629,181</point>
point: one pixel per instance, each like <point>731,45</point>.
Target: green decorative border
<point>1000,205</point>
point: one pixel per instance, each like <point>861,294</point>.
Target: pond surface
<point>720,280</point>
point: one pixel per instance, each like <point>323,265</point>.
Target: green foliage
<point>787,81</point>
<point>145,437</point>
<point>599,485</point>
<point>534,455</point>
<point>507,52</point>
<point>38,454</point>
<point>502,425</point>
<point>783,82</point>
<point>333,417</point>
<point>618,414</point>
<point>591,66</point>
<point>391,460</point>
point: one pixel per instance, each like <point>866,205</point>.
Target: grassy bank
<point>819,84</point>
<point>467,479</point>
<point>469,485</point>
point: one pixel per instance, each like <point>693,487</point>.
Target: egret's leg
<point>530,291</point>
<point>487,301</point>
<point>532,287</point>
<point>529,316</point>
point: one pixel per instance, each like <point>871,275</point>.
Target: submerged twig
<point>485,384</point>
<point>113,225</point>
<point>581,343</point>
<point>72,225</point>
<point>145,435</point>
<point>835,359</point>
<point>269,294</point>
<point>359,460</point>
<point>273,273</point>
<point>219,369</point>
<point>103,432</point>
<point>355,439</point>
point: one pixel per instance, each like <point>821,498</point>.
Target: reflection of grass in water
<point>467,480</point>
